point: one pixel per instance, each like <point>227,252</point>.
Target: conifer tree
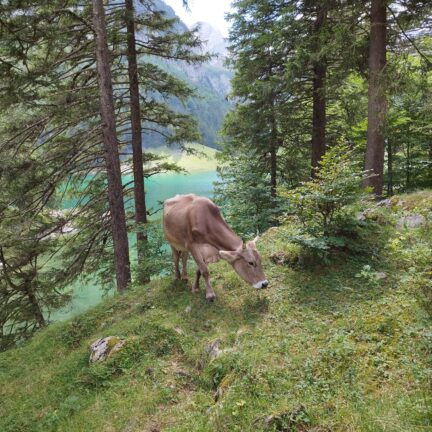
<point>112,160</point>
<point>374,161</point>
<point>136,135</point>
<point>51,140</point>
<point>318,141</point>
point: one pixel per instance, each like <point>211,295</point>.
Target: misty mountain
<point>214,43</point>
<point>211,81</point>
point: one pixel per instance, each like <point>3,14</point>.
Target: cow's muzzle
<point>261,284</point>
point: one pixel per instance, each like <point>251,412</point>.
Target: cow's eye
<point>251,263</point>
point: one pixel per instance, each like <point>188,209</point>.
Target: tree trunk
<point>34,304</point>
<point>273,169</point>
<point>37,311</point>
<point>430,161</point>
<point>273,150</point>
<point>374,162</point>
<point>112,160</point>
<point>390,167</point>
<point>139,190</point>
<point>408,165</point>
<point>318,143</point>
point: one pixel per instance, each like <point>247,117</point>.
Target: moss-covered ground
<point>342,345</point>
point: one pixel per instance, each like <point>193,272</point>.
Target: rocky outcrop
<point>105,347</point>
<point>411,221</point>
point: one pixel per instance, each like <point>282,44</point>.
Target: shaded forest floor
<point>342,345</point>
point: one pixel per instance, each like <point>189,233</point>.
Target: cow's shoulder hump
<point>205,205</point>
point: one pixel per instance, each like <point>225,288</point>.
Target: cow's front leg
<point>210,294</point>
<point>204,272</point>
<point>176,258</point>
<point>195,286</point>
<point>184,274</point>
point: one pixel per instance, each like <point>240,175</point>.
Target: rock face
<point>411,221</point>
<point>104,348</point>
<point>214,43</point>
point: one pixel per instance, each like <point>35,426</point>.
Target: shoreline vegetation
<point>200,158</point>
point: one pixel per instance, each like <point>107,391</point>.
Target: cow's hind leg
<point>176,258</point>
<point>184,274</point>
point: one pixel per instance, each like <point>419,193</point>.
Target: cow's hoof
<point>210,298</point>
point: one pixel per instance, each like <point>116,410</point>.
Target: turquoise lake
<point>158,188</point>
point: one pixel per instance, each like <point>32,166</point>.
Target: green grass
<point>319,350</point>
<point>204,159</point>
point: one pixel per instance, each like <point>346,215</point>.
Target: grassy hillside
<point>204,159</point>
<point>328,347</point>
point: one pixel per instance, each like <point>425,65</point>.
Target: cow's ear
<point>252,244</point>
<point>228,256</point>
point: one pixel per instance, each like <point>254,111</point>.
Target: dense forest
<point>313,75</point>
<point>325,150</point>
<point>308,77</point>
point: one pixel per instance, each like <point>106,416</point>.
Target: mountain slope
<point>320,350</point>
<point>211,82</point>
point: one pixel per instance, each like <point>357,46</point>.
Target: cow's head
<point>246,261</point>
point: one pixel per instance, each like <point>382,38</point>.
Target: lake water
<point>158,188</point>
<point>161,187</point>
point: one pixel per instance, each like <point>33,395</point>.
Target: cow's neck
<point>226,239</point>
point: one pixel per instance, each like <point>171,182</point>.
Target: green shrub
<point>325,207</point>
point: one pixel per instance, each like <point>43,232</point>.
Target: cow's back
<point>186,215</point>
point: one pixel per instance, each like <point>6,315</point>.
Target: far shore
<point>203,161</point>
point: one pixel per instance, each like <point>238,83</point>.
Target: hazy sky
<point>211,11</point>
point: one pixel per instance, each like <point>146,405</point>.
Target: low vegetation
<point>337,346</point>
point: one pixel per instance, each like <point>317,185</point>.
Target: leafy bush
<point>325,206</point>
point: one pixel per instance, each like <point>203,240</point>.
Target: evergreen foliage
<point>284,113</point>
<point>323,208</point>
<point>245,195</point>
<point>52,149</point>
<point>300,83</point>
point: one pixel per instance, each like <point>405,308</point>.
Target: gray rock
<point>213,349</point>
<point>104,348</point>
<point>380,275</point>
<point>387,203</point>
<point>411,221</point>
<point>361,217</point>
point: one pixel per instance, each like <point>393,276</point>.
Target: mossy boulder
<point>105,347</point>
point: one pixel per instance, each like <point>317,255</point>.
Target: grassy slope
<point>353,352</point>
<point>203,161</point>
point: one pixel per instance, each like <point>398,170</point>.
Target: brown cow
<point>194,224</point>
